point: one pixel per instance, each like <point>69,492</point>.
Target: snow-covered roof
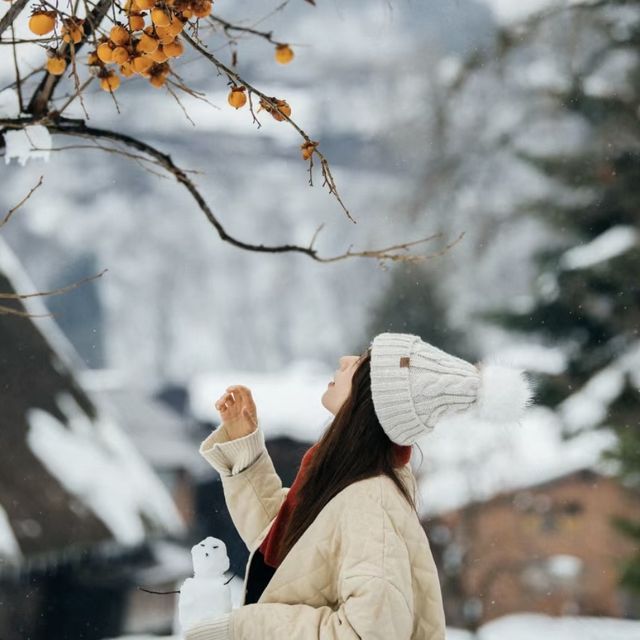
<point>159,433</point>
<point>71,479</point>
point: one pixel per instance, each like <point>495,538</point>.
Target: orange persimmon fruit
<point>120,55</point>
<point>42,22</point>
<point>105,51</point>
<point>126,69</point>
<point>307,149</point>
<point>109,81</point>
<point>56,65</point>
<point>119,34</point>
<point>73,30</point>
<point>284,107</point>
<point>148,42</point>
<point>201,8</point>
<point>160,17</point>
<point>173,49</point>
<point>283,53</point>
<point>159,56</point>
<point>176,25</point>
<point>142,64</point>
<point>237,97</point>
<point>136,21</point>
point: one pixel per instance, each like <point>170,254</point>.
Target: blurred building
<point>547,548</point>
<point>83,516</point>
<point>165,439</point>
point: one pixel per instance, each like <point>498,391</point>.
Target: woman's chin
<point>327,404</point>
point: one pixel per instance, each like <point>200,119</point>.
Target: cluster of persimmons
<point>142,44</point>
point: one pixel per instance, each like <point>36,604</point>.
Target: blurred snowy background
<point>437,117</point>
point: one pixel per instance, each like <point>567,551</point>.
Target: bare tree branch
<point>14,11</point>
<point>54,292</point>
<point>5,310</point>
<point>72,127</point>
<point>12,211</point>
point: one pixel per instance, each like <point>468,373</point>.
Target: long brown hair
<point>353,447</point>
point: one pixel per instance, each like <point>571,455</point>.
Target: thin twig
<point>54,292</point>
<point>12,211</point>
<point>5,310</point>
<point>73,96</point>
<point>10,311</point>
<point>232,75</point>
<point>228,26</point>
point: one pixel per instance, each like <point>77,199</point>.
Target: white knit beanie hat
<point>415,385</point>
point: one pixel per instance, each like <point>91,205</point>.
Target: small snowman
<point>206,594</point>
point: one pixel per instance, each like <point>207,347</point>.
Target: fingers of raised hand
<point>236,395</point>
<point>244,393</point>
<point>225,401</point>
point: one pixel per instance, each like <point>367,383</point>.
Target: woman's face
<point>338,390</point>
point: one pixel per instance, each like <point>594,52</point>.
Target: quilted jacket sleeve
<point>252,489</point>
<point>375,595</point>
<point>373,609</point>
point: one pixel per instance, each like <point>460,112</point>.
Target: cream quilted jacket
<point>362,570</point>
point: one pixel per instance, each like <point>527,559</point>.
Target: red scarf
<point>271,544</point>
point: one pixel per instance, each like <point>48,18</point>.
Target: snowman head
<point>209,558</point>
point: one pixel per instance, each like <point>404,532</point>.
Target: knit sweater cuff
<point>215,628</point>
<point>230,457</point>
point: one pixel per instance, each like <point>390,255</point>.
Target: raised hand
<point>238,411</point>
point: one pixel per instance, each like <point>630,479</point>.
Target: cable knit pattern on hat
<point>415,385</point>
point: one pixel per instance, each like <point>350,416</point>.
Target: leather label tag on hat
<point>404,361</point>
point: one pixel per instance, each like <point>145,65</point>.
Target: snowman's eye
<point>202,545</point>
<point>215,547</point>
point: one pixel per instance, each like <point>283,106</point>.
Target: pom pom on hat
<point>504,392</point>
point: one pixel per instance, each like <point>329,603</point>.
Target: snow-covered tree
<point>587,297</point>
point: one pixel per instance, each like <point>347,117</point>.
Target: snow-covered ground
<point>533,626</point>
<point>524,626</point>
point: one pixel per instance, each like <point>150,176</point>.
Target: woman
<point>341,553</point>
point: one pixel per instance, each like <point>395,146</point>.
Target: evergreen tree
<point>588,293</point>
